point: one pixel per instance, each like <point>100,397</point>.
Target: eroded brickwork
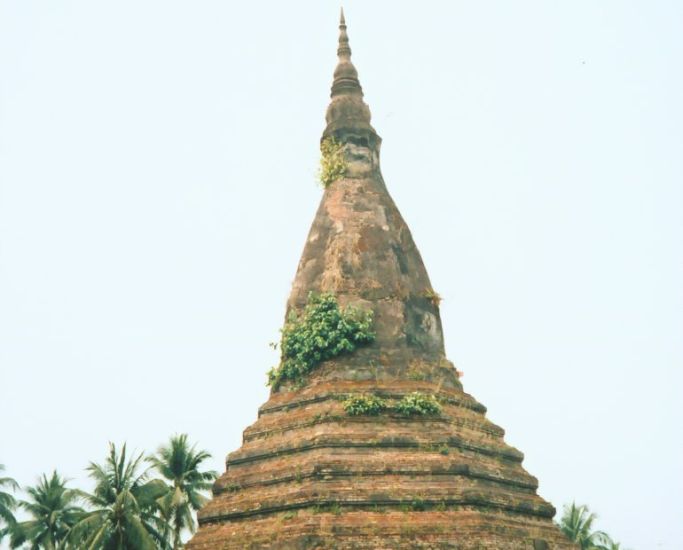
<point>308,475</point>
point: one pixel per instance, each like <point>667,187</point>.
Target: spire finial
<point>343,51</point>
<point>345,76</point>
<point>347,109</point>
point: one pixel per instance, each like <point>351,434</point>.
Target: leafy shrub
<point>410,405</point>
<point>322,332</point>
<point>364,404</point>
<point>332,162</point>
<point>418,404</point>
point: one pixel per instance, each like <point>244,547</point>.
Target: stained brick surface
<point>308,475</point>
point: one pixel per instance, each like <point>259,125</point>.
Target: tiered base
<point>309,476</point>
<point>460,529</point>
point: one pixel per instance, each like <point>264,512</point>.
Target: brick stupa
<point>309,475</point>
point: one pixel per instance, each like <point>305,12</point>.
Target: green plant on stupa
<point>413,404</point>
<point>364,404</point>
<point>332,161</point>
<point>416,403</point>
<point>322,331</point>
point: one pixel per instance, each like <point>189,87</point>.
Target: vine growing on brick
<point>332,161</point>
<point>322,331</point>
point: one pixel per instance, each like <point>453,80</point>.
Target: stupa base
<point>341,530</point>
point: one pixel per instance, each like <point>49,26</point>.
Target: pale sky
<point>157,181</point>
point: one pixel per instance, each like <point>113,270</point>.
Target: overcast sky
<point>157,181</point>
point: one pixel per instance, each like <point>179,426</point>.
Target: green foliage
<point>7,504</point>
<point>364,404</point>
<point>577,524</point>
<point>322,332</point>
<point>125,507</point>
<point>332,161</point>
<point>414,404</point>
<point>418,404</point>
<point>52,511</point>
<point>126,510</point>
<point>179,464</point>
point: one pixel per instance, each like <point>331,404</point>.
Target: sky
<point>157,182</point>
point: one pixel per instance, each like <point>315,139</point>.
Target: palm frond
<point>52,508</point>
<point>179,464</point>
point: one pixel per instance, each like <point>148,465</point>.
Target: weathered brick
<point>308,475</point>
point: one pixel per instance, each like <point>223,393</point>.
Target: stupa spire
<point>345,76</point>
<point>344,48</point>
<point>379,447</point>
<point>360,248</point>
<point>347,110</point>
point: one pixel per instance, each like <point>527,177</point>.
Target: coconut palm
<point>179,463</point>
<point>606,543</point>
<point>7,504</point>
<point>610,545</point>
<point>124,503</point>
<point>577,524</point>
<point>53,511</point>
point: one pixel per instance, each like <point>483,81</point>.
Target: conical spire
<point>360,248</point>
<point>343,38</point>
<point>345,75</point>
<point>347,110</point>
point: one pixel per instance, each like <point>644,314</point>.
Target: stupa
<point>310,475</point>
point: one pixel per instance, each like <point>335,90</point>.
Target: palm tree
<point>124,503</point>
<point>53,512</point>
<point>7,504</point>
<point>577,524</point>
<point>610,545</point>
<point>606,543</point>
<point>179,463</point>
